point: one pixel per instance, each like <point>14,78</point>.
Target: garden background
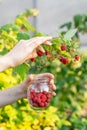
<point>68,110</point>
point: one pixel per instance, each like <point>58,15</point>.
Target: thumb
<point>29,80</point>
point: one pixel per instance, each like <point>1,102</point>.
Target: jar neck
<point>41,80</point>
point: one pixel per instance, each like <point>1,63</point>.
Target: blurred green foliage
<point>79,21</point>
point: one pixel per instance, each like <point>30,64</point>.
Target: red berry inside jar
<point>39,95</point>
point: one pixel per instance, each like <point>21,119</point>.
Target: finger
<point>36,42</point>
<point>32,55</point>
<point>48,43</point>
<point>52,86</point>
<point>53,94</point>
<point>47,38</point>
<point>45,75</point>
<point>38,38</point>
<point>51,81</point>
<point>29,80</point>
<point>41,49</point>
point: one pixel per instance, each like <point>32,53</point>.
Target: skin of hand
<point>32,78</point>
<point>15,93</point>
<point>23,51</point>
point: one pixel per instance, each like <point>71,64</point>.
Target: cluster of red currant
<point>39,99</point>
<point>39,53</point>
<point>63,59</point>
<point>66,60</point>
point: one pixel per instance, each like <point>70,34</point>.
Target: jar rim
<point>41,80</point>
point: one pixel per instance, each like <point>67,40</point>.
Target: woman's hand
<point>32,78</point>
<point>25,50</point>
<point>11,95</point>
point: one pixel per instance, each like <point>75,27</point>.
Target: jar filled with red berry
<point>39,94</point>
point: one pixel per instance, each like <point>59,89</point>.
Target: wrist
<point>5,63</point>
<point>11,62</point>
<point>22,90</point>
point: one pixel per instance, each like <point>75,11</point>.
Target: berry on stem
<point>39,53</point>
<point>63,47</point>
<point>47,53</point>
<point>64,60</point>
<point>32,59</point>
<point>77,57</point>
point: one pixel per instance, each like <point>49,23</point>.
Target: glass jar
<point>39,94</point>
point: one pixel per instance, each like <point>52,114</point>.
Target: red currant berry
<point>48,100</point>
<point>47,53</point>
<point>61,58</point>
<point>32,59</point>
<point>39,53</point>
<point>49,95</point>
<point>77,57</point>
<point>44,92</point>
<point>45,104</point>
<point>39,100</point>
<point>41,104</point>
<point>65,61</point>
<point>63,47</point>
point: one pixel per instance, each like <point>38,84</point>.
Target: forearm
<point>11,95</point>
<point>5,63</point>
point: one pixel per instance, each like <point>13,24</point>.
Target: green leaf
<point>78,19</point>
<point>9,27</point>
<point>3,51</point>
<point>22,70</point>
<point>67,25</point>
<point>66,123</point>
<point>23,35</point>
<point>70,34</point>
<point>27,24</point>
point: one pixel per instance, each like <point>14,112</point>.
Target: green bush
<point>65,111</point>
